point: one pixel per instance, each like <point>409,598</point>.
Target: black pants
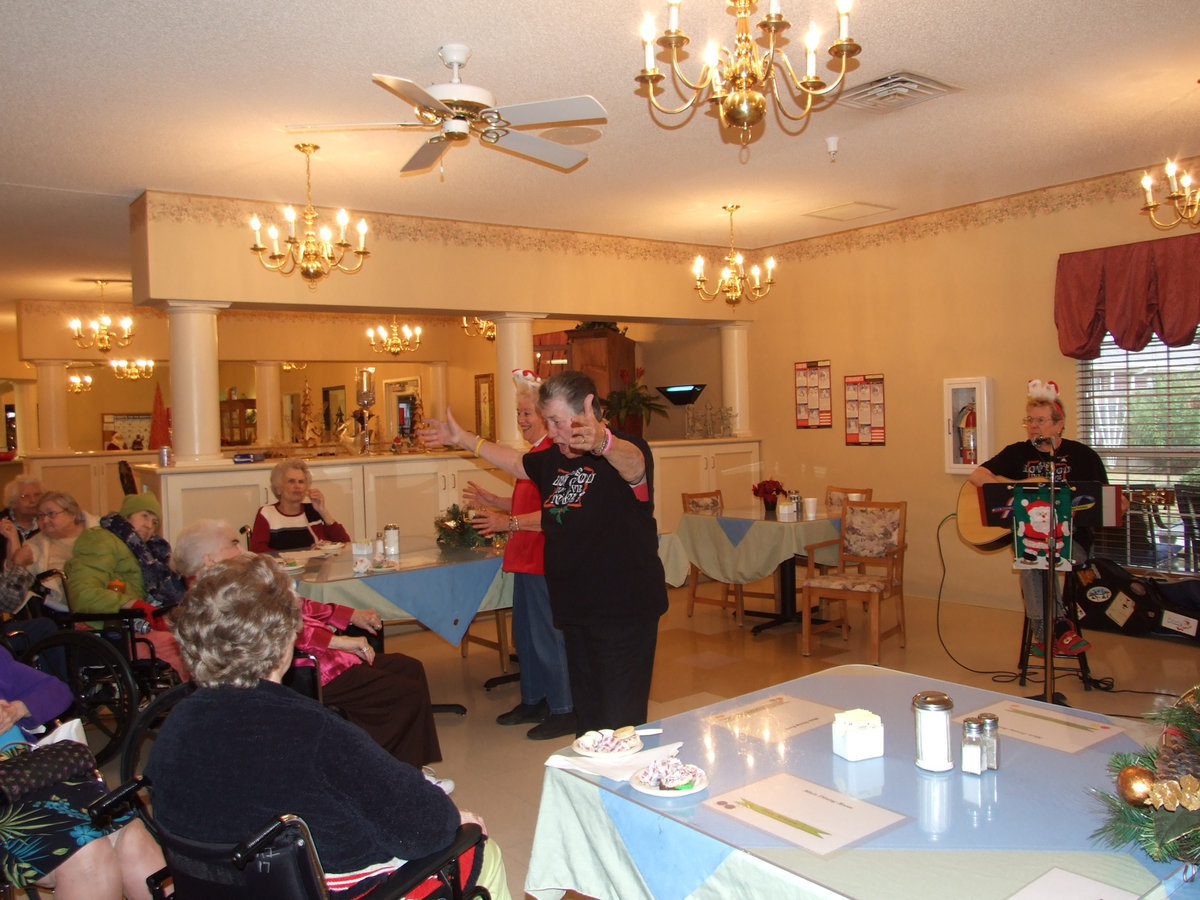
<point>611,664</point>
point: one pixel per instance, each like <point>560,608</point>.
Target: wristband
<point>514,524</point>
<point>478,444</point>
<point>605,446</point>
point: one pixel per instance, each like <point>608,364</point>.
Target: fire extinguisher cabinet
<point>967,423</point>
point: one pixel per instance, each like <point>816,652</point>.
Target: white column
<point>25,399</point>
<point>195,382</point>
<point>268,403</point>
<point>52,405</point>
<point>735,374</point>
<point>514,350</point>
<point>433,394</point>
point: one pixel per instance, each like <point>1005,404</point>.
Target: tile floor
<point>700,660</point>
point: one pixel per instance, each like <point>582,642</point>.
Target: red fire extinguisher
<point>966,434</point>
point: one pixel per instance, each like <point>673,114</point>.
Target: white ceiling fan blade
<point>427,155</point>
<point>354,126</point>
<point>544,112</point>
<point>540,149</point>
<point>412,93</point>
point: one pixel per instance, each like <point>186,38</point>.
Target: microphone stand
<point>1050,591</point>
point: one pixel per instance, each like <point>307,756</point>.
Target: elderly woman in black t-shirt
<point>607,588</point>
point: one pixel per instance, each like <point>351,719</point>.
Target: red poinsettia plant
<point>769,489</point>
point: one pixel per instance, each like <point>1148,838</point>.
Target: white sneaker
<point>446,784</point>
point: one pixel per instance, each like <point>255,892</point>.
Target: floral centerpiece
<point>768,490</point>
<point>454,530</point>
<point>1157,804</point>
<point>631,404</point>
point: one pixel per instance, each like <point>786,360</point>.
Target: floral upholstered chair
<point>710,503</point>
<point>835,498</point>
<point>870,567</point>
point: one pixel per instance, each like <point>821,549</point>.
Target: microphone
<point>1042,441</point>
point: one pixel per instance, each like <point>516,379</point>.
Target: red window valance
<point>1134,291</point>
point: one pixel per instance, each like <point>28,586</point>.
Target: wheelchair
<point>102,667</point>
<point>279,861</point>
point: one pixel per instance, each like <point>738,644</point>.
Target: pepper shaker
<point>991,739</point>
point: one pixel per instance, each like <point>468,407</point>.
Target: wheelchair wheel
<point>106,697</point>
<point>144,732</point>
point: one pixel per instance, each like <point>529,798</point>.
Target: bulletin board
<point>814,403</point>
<point>125,431</point>
<point>865,411</point>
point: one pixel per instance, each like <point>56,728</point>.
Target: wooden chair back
<point>835,498</point>
<point>704,503</point>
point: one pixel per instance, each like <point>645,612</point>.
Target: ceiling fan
<point>456,110</point>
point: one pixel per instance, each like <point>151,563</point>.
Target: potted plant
<point>768,491</point>
<point>630,405</point>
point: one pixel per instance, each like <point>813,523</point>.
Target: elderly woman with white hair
<point>243,748</point>
<point>299,518</point>
<point>387,695</point>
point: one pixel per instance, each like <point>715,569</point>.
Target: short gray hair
<point>68,503</point>
<point>282,468</point>
<point>198,540</point>
<point>572,387</point>
<point>237,621</point>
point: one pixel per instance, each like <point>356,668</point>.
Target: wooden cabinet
<point>598,352</point>
<point>602,355</point>
<point>730,466</point>
<point>238,419</point>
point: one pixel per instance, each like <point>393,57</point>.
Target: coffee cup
<point>810,507</point>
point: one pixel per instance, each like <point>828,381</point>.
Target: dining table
<point>443,588</point>
<point>742,545</point>
<point>774,812</point>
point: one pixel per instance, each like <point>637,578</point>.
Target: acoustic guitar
<point>970,517</point>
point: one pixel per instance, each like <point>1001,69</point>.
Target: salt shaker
<point>931,710</point>
<point>378,548</point>
<point>991,739</point>
<point>973,760</point>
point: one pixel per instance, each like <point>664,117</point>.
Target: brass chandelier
<point>79,384</point>
<point>401,339</point>
<point>316,255</point>
<point>132,369</point>
<point>100,333</point>
<point>1184,200</point>
<point>735,284</point>
<point>477,327</point>
<point>738,80</point>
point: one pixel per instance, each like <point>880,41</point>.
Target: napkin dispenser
<point>857,734</point>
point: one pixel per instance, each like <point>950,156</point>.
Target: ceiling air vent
<point>892,92</point>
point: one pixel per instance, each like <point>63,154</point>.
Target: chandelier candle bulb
<point>775,8</point>
<point>648,30</point>
<point>1171,169</point>
<point>843,8</point>
<point>673,14</point>
<point>811,40</point>
<point>857,734</point>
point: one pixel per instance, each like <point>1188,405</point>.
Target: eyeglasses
<point>1037,420</point>
<point>37,496</point>
<point>49,514</point>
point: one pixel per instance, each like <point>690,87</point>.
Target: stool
<point>1080,660</point>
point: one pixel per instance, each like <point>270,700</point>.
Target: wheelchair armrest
<point>413,872</point>
<point>251,846</point>
<point>117,801</point>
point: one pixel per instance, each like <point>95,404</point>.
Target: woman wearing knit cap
<point>123,564</point>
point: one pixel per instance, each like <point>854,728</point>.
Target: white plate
<point>607,754</point>
<point>699,784</point>
<point>290,564</point>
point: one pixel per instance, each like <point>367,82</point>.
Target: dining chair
<point>710,503</point>
<point>835,498</point>
<point>1187,500</point>
<point>870,567</point>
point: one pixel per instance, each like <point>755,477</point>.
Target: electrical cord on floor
<point>1002,676</point>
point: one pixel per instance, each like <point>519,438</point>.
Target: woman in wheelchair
<point>123,564</point>
<point>385,694</point>
<point>62,522</point>
<point>244,748</point>
<point>47,838</point>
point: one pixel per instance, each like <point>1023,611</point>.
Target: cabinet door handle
<point>443,482</point>
<point>453,481</point>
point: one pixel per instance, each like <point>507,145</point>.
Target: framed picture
<point>485,406</point>
<point>333,405</point>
